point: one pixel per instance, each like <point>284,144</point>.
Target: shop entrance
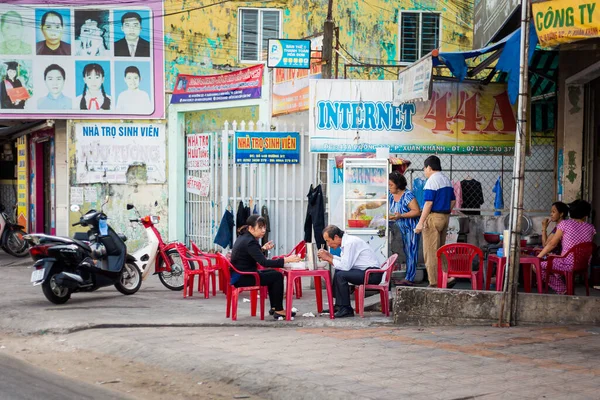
<point>42,183</point>
<point>591,172</point>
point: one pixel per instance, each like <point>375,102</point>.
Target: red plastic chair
<point>383,287</point>
<point>233,293</point>
<point>189,273</point>
<point>459,258</point>
<point>582,255</point>
<point>210,271</point>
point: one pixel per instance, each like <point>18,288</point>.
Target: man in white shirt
<point>133,100</point>
<point>350,267</point>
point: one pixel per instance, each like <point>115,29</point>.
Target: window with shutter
<point>419,35</point>
<point>256,27</point>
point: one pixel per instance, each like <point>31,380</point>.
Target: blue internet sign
<point>288,53</point>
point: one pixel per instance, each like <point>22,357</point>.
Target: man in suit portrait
<point>132,45</point>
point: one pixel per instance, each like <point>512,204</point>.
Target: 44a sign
<point>467,113</point>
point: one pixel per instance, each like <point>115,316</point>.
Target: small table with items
<point>293,274</point>
<point>526,262</point>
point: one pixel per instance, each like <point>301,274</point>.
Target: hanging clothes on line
<point>264,212</point>
<point>224,236</point>
<point>315,216</point>
<point>418,189</point>
<point>472,195</point>
<point>242,215</point>
<point>457,193</point>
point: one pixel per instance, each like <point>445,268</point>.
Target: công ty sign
<point>565,21</point>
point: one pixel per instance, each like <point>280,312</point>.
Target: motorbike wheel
<point>172,280</point>
<point>15,244</point>
<point>130,280</point>
<point>55,293</point>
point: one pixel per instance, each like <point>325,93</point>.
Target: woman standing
<point>405,213</point>
<point>247,253</point>
<point>569,233</point>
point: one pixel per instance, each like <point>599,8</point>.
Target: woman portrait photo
<point>92,33</point>
<point>13,93</point>
<point>53,36</point>
<point>13,40</point>
<point>94,95</point>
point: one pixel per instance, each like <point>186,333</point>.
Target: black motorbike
<point>64,266</point>
<point>12,236</point>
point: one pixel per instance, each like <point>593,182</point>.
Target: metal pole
<point>516,204</point>
<point>328,43</point>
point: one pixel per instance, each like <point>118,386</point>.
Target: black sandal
<point>277,315</point>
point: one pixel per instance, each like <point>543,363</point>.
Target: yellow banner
<point>565,21</point>
<point>22,182</point>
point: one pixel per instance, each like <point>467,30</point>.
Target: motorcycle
<point>163,256</point>
<point>12,236</point>
<point>64,266</point>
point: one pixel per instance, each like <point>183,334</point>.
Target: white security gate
<point>282,188</point>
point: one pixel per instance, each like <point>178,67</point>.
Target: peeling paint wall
<point>148,198</point>
<point>203,39</point>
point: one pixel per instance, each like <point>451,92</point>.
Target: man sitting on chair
<point>350,267</point>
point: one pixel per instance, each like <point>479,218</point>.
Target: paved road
<point>22,381</point>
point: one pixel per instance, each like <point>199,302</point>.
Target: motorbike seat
<point>122,237</point>
<point>81,244</point>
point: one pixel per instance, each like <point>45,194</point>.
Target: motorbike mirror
<point>75,208</point>
<point>130,206</point>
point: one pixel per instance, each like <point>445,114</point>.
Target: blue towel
<point>224,235</point>
<point>499,199</point>
<point>418,190</point>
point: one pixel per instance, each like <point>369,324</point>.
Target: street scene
<point>299,200</point>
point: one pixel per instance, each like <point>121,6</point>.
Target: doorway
<point>591,170</point>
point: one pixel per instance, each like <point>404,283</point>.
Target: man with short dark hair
<point>134,100</point>
<point>55,77</point>
<point>132,45</point>
<point>350,267</point>
<point>439,202</point>
<point>11,26</point>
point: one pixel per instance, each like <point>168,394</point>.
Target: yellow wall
<point>201,39</point>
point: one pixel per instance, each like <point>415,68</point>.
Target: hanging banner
<point>414,82</point>
<point>22,183</point>
<point>108,153</point>
<point>198,185</point>
<point>359,116</point>
<point>197,152</point>
<point>290,86</point>
<point>566,21</point>
<point>288,53</point>
<point>267,147</point>
<point>75,61</point>
<point>239,85</point>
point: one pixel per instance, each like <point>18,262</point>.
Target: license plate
<point>37,275</point>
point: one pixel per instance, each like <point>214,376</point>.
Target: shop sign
<point>267,147</point>
<point>489,17</point>
<point>290,86</point>
<point>288,53</point>
<point>565,21</point>
<point>414,82</point>
<point>105,152</point>
<point>22,182</point>
<point>243,84</point>
<point>77,64</point>
<point>359,116</point>
<point>197,152</point>
<point>199,185</point>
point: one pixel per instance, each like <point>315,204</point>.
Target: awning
<point>508,60</point>
<point>13,132</point>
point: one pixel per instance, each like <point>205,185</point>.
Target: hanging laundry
<point>499,199</point>
<point>224,235</point>
<point>255,210</point>
<point>315,216</point>
<point>242,215</point>
<point>457,193</point>
<point>472,195</point>
<point>264,212</point>
<point>418,189</point>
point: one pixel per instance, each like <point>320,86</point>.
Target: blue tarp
<point>508,61</point>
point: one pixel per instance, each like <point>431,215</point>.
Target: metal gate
<point>282,188</point>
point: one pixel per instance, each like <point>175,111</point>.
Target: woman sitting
<point>247,253</point>
<point>569,233</point>
<point>558,213</point>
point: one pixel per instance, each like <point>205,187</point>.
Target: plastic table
<point>318,274</point>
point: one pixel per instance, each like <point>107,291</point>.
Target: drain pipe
<point>516,204</point>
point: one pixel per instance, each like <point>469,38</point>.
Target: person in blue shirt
<point>54,77</point>
<point>439,202</point>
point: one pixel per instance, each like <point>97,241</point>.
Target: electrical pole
<point>327,54</point>
<point>516,204</point>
